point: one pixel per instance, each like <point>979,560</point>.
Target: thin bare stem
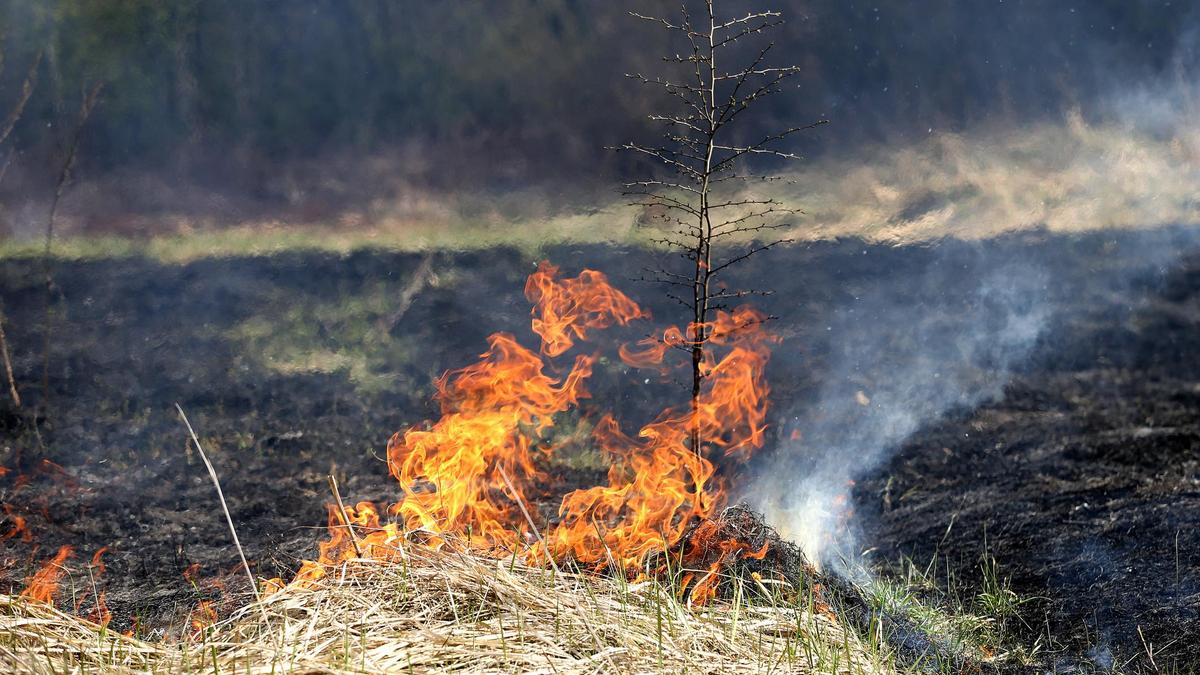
<point>27,88</point>
<point>337,497</point>
<point>224,506</point>
<point>524,511</point>
<point>8,369</point>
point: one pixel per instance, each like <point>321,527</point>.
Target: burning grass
<point>643,572</point>
<point>471,474</point>
<point>451,610</point>
<point>460,575</point>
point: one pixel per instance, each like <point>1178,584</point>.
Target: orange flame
<point>192,573</point>
<point>453,474</point>
<point>20,527</point>
<point>98,560</point>
<point>43,585</point>
<point>658,485</point>
<point>468,473</point>
<point>100,613</point>
<point>566,309</point>
<point>203,616</point>
<point>703,548</point>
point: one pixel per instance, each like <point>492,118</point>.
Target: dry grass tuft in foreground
<point>441,611</point>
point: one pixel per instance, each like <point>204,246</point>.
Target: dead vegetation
<point>443,610</point>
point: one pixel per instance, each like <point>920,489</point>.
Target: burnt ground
<point>1048,414</point>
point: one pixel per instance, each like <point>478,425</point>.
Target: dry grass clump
<point>448,611</point>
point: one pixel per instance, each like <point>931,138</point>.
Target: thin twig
<point>557,572</point>
<point>420,278</point>
<point>525,512</point>
<point>27,88</point>
<point>224,507</point>
<point>8,369</point>
<point>337,495</point>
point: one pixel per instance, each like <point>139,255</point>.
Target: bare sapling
<point>700,191</point>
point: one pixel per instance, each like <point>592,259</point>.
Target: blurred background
<point>391,114</point>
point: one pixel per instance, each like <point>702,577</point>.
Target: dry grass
<point>1068,175</point>
<point>446,611</point>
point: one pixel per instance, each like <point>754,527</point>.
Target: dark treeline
<point>515,91</point>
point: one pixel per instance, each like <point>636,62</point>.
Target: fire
<point>470,473</point>
<point>704,546</point>
<point>20,527</point>
<point>43,585</point>
<point>98,560</point>
<point>566,309</point>
<point>203,616</point>
<point>658,484</point>
<point>100,613</point>
<point>372,537</point>
<point>452,474</point>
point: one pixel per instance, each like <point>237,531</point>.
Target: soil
<point>1072,457</point>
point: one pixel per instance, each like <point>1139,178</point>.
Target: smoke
<point>899,358</point>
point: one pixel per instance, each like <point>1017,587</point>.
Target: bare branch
<point>671,275</point>
<point>765,227</point>
<point>27,88</point>
<point>677,121</point>
<point>764,90</point>
<point>659,183</point>
<point>659,20</point>
<point>751,30</point>
<point>728,295</point>
<point>747,254</point>
<point>661,156</point>
<point>749,216</point>
<point>667,282</point>
<point>679,91</point>
<point>661,200</point>
<point>743,202</point>
<point>767,14</point>
<point>758,148</point>
<point>744,74</point>
<point>678,299</point>
<point>733,95</point>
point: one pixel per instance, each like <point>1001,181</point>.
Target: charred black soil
<point>1075,462</point>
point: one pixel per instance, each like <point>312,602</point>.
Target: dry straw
<point>439,611</point>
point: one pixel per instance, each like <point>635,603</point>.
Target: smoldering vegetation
<point>1027,397</point>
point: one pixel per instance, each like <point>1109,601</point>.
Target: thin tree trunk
<point>703,251</point>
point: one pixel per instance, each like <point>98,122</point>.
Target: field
<point>1016,408</point>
